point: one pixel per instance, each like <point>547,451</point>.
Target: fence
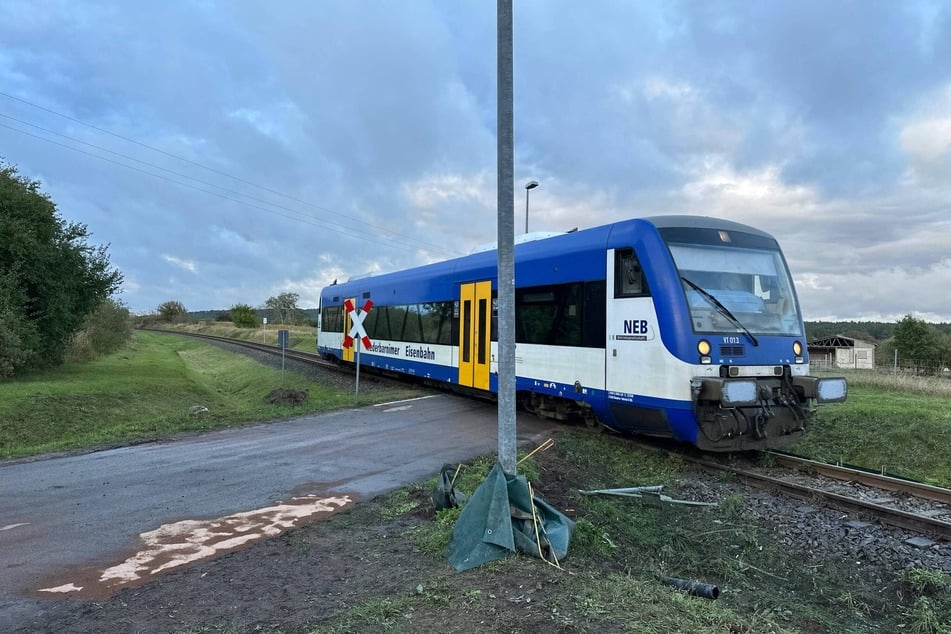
<point>906,367</point>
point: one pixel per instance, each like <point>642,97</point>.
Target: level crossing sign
<point>357,331</point>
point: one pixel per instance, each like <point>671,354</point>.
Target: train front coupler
<point>748,413</point>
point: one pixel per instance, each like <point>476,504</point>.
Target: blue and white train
<point>682,327</point>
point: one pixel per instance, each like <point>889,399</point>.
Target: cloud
<point>188,265</point>
<point>925,137</point>
<point>311,142</point>
<point>872,294</point>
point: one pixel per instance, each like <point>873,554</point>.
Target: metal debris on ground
<point>653,492</point>
<point>696,588</point>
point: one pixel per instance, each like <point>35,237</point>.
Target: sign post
<point>357,334</point>
<point>282,339</point>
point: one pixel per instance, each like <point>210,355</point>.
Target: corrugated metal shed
<point>840,351</point>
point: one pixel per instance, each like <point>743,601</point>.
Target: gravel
<point>338,379</point>
<point>821,535</point>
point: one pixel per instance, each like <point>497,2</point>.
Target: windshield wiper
<point>723,309</point>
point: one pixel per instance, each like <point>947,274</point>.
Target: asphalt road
<point>64,515</point>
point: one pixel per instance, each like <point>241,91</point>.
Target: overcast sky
<point>230,151</point>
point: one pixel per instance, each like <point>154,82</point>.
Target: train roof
<point>702,222</point>
<point>567,257</point>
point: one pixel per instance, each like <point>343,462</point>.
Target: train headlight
<point>703,347</point>
<point>831,390</point>
<point>729,392</point>
<point>797,351</point>
<point>737,393</point>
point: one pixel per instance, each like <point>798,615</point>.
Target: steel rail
<point>294,355</point>
<point>875,480</point>
<point>921,524</point>
<point>893,517</point>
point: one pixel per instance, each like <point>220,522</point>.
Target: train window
<point>445,327</point>
<point>372,323</point>
<point>331,319</point>
<point>534,319</point>
<point>437,322</point>
<point>483,325</point>
<point>466,330</point>
<point>550,315</point>
<point>385,325</point>
<point>413,328</point>
<point>397,317</point>
<point>494,335</point>
<point>628,275</point>
<point>545,297</point>
<point>594,328</point>
<point>416,323</point>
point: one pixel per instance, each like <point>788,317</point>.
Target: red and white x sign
<point>357,330</point>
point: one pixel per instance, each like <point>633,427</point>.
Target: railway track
<point>905,504</point>
<point>896,502</point>
<point>294,355</point>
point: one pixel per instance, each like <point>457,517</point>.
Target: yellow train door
<point>475,330</point>
<point>348,353</point>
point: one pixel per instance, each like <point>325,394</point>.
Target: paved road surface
<point>62,515</point>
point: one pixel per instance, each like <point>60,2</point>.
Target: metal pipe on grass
<point>696,588</point>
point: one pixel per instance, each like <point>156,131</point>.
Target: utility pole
<point>506,240</point>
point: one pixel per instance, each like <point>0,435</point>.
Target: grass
<point>900,382</point>
<point>621,551</point>
<point>300,338</point>
<point>157,387</point>
<point>622,547</point>
<point>903,428</point>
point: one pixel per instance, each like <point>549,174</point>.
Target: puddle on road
<point>185,542</point>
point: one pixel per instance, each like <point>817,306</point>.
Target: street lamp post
<point>529,186</point>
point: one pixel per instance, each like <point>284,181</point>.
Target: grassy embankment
<point>302,338</point>
<point>147,391</point>
<point>901,425</point>
<point>621,550</point>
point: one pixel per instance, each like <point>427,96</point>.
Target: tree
<point>283,307</point>
<point>171,311</point>
<point>51,278</point>
<point>917,340</point>
<point>244,316</point>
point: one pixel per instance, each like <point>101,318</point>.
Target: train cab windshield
<point>733,289</point>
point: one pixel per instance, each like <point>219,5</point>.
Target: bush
<point>171,311</point>
<point>244,316</point>
<point>106,330</point>
<point>14,353</point>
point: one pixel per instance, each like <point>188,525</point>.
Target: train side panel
<point>631,357</point>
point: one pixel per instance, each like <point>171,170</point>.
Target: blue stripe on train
<point>625,412</point>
